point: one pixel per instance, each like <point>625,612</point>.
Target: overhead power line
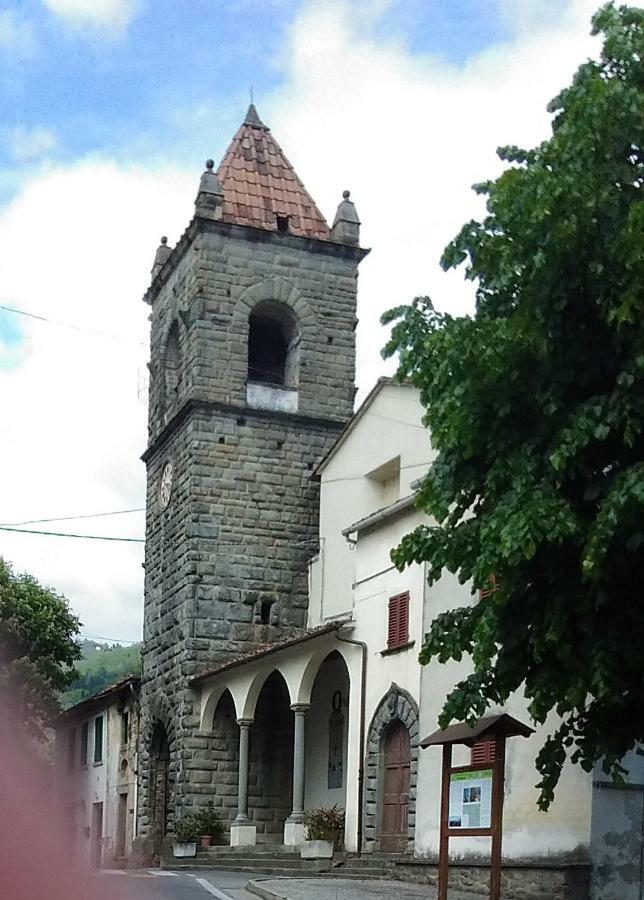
<point>117,512</point>
<point>88,537</point>
<point>99,637</point>
<point>74,327</point>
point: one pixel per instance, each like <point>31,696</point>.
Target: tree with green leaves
<point>536,409</point>
<point>37,649</point>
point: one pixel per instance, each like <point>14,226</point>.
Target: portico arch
<point>271,759</point>
<point>254,690</point>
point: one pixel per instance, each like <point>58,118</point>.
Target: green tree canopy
<point>37,649</point>
<point>536,409</point>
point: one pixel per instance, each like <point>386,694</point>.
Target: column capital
<point>245,723</point>
<point>300,707</point>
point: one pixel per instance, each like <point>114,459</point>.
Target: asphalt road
<point>155,885</point>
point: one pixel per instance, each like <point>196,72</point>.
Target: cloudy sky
<point>108,109</point>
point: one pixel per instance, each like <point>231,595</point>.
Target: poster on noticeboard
<point>470,799</point>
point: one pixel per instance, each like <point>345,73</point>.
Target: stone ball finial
<point>163,252</point>
<point>210,164</point>
<point>346,225</point>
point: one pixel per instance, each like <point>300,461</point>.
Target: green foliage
<point>101,666</point>
<point>37,649</point>
<point>536,409</point>
<point>187,829</point>
<point>324,824</point>
<point>209,821</point>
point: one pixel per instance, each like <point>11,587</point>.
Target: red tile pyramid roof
<point>260,184</point>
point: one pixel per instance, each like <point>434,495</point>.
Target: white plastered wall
<point>527,832</point>
<point>388,427</point>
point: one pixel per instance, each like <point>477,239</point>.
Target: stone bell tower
<point>251,380</point>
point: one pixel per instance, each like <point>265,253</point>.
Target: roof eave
<point>323,631</point>
<point>99,699</point>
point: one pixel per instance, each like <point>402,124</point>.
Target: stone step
<point>250,861</point>
<point>257,850</point>
<point>357,862</point>
<point>374,874</point>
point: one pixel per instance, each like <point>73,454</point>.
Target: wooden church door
<point>397,757</point>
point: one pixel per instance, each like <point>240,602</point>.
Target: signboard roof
<point>462,733</point>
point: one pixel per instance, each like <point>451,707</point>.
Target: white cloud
<point>409,135</point>
<point>78,245</point>
<point>111,15</point>
<point>16,35</point>
<point>25,144</point>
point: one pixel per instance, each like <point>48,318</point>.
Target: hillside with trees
<point>101,665</point>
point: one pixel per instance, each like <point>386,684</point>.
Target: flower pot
<point>317,850</point>
<point>184,850</point>
<point>206,840</point>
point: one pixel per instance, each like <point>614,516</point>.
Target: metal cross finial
<point>252,99</point>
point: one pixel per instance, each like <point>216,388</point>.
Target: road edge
<point>255,887</point>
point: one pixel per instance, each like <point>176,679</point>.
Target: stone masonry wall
<point>243,516</point>
<point>529,881</point>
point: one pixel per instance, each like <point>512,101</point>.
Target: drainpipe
<point>363,693</point>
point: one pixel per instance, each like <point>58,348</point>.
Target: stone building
<point>253,317</point>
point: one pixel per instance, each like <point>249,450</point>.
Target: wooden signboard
<point>472,795</point>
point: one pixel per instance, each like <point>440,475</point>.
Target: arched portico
<point>296,743</point>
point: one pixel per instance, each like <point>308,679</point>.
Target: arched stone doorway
<point>159,786</point>
<point>395,788</point>
<point>391,773</point>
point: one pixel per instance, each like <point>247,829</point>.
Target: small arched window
<point>273,342</point>
<point>171,365</point>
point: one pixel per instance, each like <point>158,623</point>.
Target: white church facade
<point>360,700</point>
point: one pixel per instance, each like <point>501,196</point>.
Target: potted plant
<point>324,829</point>
<point>211,827</point>
<point>186,833</point>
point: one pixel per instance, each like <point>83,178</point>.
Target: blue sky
<point>182,71</point>
<point>108,109</point>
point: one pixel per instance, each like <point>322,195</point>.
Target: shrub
<point>187,829</point>
<point>209,821</point>
<point>324,824</point>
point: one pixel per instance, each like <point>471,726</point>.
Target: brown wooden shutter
<point>484,751</point>
<point>398,624</point>
<point>493,586</point>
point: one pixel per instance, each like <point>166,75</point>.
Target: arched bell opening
<point>273,345</point>
<point>171,367</point>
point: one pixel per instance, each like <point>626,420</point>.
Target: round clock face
<point>165,488</point>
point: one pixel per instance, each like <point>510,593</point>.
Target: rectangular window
<point>125,728</point>
<point>398,626</point>
<point>484,751</point>
<point>98,739</point>
<point>71,748</point>
<point>84,743</point>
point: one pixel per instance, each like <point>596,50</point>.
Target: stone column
<point>242,831</point>
<point>294,825</point>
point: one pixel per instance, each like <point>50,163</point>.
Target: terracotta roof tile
<point>259,182</point>
<point>266,649</point>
